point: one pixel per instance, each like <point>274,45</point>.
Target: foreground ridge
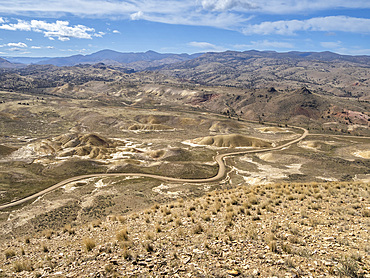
<point>274,230</point>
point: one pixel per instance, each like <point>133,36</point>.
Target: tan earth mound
<point>153,119</point>
<point>74,140</point>
<point>4,150</point>
<point>271,129</point>
<point>363,154</point>
<point>219,127</point>
<point>316,145</point>
<point>156,154</point>
<point>149,127</point>
<point>232,141</point>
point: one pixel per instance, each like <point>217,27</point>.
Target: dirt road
<point>219,159</point>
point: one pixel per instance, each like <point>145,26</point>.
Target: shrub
<point>198,229</point>
<point>148,247</point>
<point>89,244</point>
<point>96,223</point>
<point>366,212</point>
<point>22,265</point>
<point>126,254</point>
<point>348,268</point>
<point>122,235</point>
<point>68,229</point>
<point>45,249</point>
<point>273,246</point>
<point>48,233</point>
<point>9,253</point>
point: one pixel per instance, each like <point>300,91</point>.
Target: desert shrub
<point>148,247</point>
<point>273,246</point>
<point>126,254</point>
<point>89,244</point>
<point>366,212</point>
<point>9,253</point>
<point>96,223</point>
<point>198,229</point>
<point>122,235</point>
<point>68,229</point>
<point>48,233</point>
<point>348,268</point>
<point>23,265</point>
<point>45,249</point>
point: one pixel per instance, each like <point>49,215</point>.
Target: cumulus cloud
<point>59,29</point>
<point>17,44</point>
<point>137,16</point>
<point>2,20</point>
<point>116,32</point>
<point>326,24</point>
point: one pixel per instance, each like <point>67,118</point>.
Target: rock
<point>233,272</point>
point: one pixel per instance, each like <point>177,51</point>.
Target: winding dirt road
<point>219,159</point>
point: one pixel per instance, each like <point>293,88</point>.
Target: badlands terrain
<point>167,173</point>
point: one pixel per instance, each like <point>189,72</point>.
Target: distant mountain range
<point>341,75</point>
<point>151,59</point>
<point>110,57</point>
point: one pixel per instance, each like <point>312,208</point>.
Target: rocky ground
<point>279,230</point>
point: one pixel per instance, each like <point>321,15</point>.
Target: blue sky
<point>52,28</point>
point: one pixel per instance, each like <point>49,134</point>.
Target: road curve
<point>220,174</point>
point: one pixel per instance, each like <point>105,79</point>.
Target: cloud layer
<point>326,24</point>
<point>216,13</point>
<point>59,29</point>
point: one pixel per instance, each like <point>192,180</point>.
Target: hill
<point>137,61</point>
<point>326,72</point>
<point>274,230</point>
<point>8,65</point>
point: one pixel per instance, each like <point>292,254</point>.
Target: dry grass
<point>269,225</point>
<point>89,244</point>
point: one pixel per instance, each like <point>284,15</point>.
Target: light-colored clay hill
<point>231,141</point>
<point>149,127</point>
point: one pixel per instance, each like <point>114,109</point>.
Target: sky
<point>58,28</point>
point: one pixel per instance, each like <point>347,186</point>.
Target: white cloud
<point>203,45</point>
<point>225,14</point>
<point>16,44</point>
<point>326,24</point>
<point>137,16</point>
<point>265,45</point>
<point>331,45</point>
<point>116,32</point>
<point>206,46</point>
<point>29,39</point>
<point>222,5</point>
<point>42,47</point>
<point>59,29</point>
<point>282,6</point>
<point>2,20</point>
<point>99,34</point>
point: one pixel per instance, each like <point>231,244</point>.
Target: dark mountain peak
<point>272,90</point>
<point>304,91</point>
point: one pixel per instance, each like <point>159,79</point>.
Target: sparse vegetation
<point>89,244</point>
